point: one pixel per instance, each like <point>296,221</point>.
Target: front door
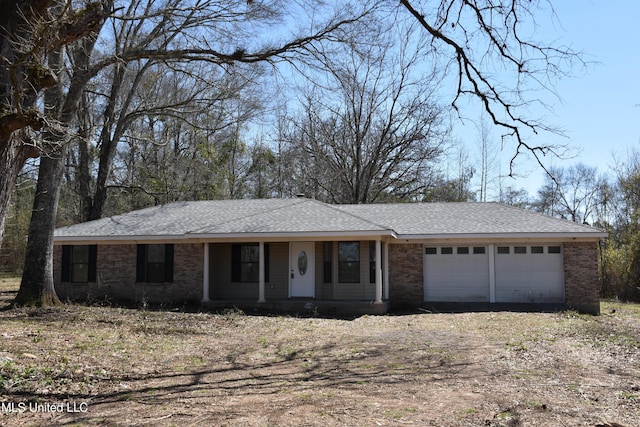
<point>302,269</point>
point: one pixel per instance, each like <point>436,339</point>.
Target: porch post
<point>205,279</point>
<point>378,272</point>
<point>261,272</point>
<point>385,271</point>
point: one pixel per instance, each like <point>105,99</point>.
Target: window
<point>155,263</point>
<point>245,262</point>
<point>79,263</point>
<point>537,249</point>
<point>328,262</point>
<point>503,249</point>
<point>349,262</point>
<point>554,249</point>
<point>520,250</point>
<point>431,251</point>
<point>462,250</point>
<point>446,251</point>
<point>479,250</point>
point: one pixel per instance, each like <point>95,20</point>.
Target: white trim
<point>331,236</point>
<point>564,236</point>
<point>303,236</point>
<point>122,240</point>
<point>234,237</point>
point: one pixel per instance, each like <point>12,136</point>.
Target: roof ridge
<point>361,218</point>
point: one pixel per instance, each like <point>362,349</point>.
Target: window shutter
<point>65,275</point>
<point>168,262</point>
<point>93,261</point>
<point>141,262</point>
<point>235,262</point>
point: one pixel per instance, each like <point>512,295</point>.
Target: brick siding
<point>406,282</point>
<point>116,277</point>
<point>582,289</point>
<point>116,274</point>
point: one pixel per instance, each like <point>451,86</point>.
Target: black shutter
<point>266,262</point>
<point>168,262</point>
<point>93,261</point>
<point>65,275</point>
<point>235,263</point>
<point>141,263</point>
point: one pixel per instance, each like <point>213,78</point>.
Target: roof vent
<point>300,196</point>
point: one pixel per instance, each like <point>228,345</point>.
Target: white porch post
<point>378,272</point>
<point>385,271</point>
<point>261,272</point>
<point>205,279</point>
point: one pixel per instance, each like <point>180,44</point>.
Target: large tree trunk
<point>37,287</point>
<point>15,17</point>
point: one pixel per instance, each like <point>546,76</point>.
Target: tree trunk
<point>15,20</point>
<point>12,158</point>
<point>84,161</point>
<point>37,287</point>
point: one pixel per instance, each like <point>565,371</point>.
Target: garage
<point>529,273</point>
<point>456,274</point>
<point>501,273</point>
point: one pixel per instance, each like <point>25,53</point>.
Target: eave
<point>529,236</point>
<point>228,237</point>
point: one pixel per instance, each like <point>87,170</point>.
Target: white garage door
<point>456,273</point>
<point>531,274</point>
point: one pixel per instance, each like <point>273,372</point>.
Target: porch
<point>326,276</point>
<point>302,306</point>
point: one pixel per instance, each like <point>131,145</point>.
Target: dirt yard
<point>107,366</point>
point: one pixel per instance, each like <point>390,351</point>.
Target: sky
<point>599,109</point>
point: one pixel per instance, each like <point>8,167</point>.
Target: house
<point>291,254</point>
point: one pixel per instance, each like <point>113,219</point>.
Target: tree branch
<point>498,23</point>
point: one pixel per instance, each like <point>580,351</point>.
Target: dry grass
<point>117,366</point>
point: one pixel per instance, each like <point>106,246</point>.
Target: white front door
<point>302,269</point>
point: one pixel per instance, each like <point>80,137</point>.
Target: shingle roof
<point>413,219</point>
<point>225,218</point>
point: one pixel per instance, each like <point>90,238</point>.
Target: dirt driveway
<point>107,366</point>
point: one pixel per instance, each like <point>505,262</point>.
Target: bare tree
<point>189,26</point>
<point>475,35</point>
<point>370,130</point>
<point>573,193</point>
<point>29,29</point>
<point>487,157</point>
<point>36,287</point>
<point>513,197</point>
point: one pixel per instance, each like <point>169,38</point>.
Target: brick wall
<point>582,289</point>
<point>406,282</point>
<point>116,277</point>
